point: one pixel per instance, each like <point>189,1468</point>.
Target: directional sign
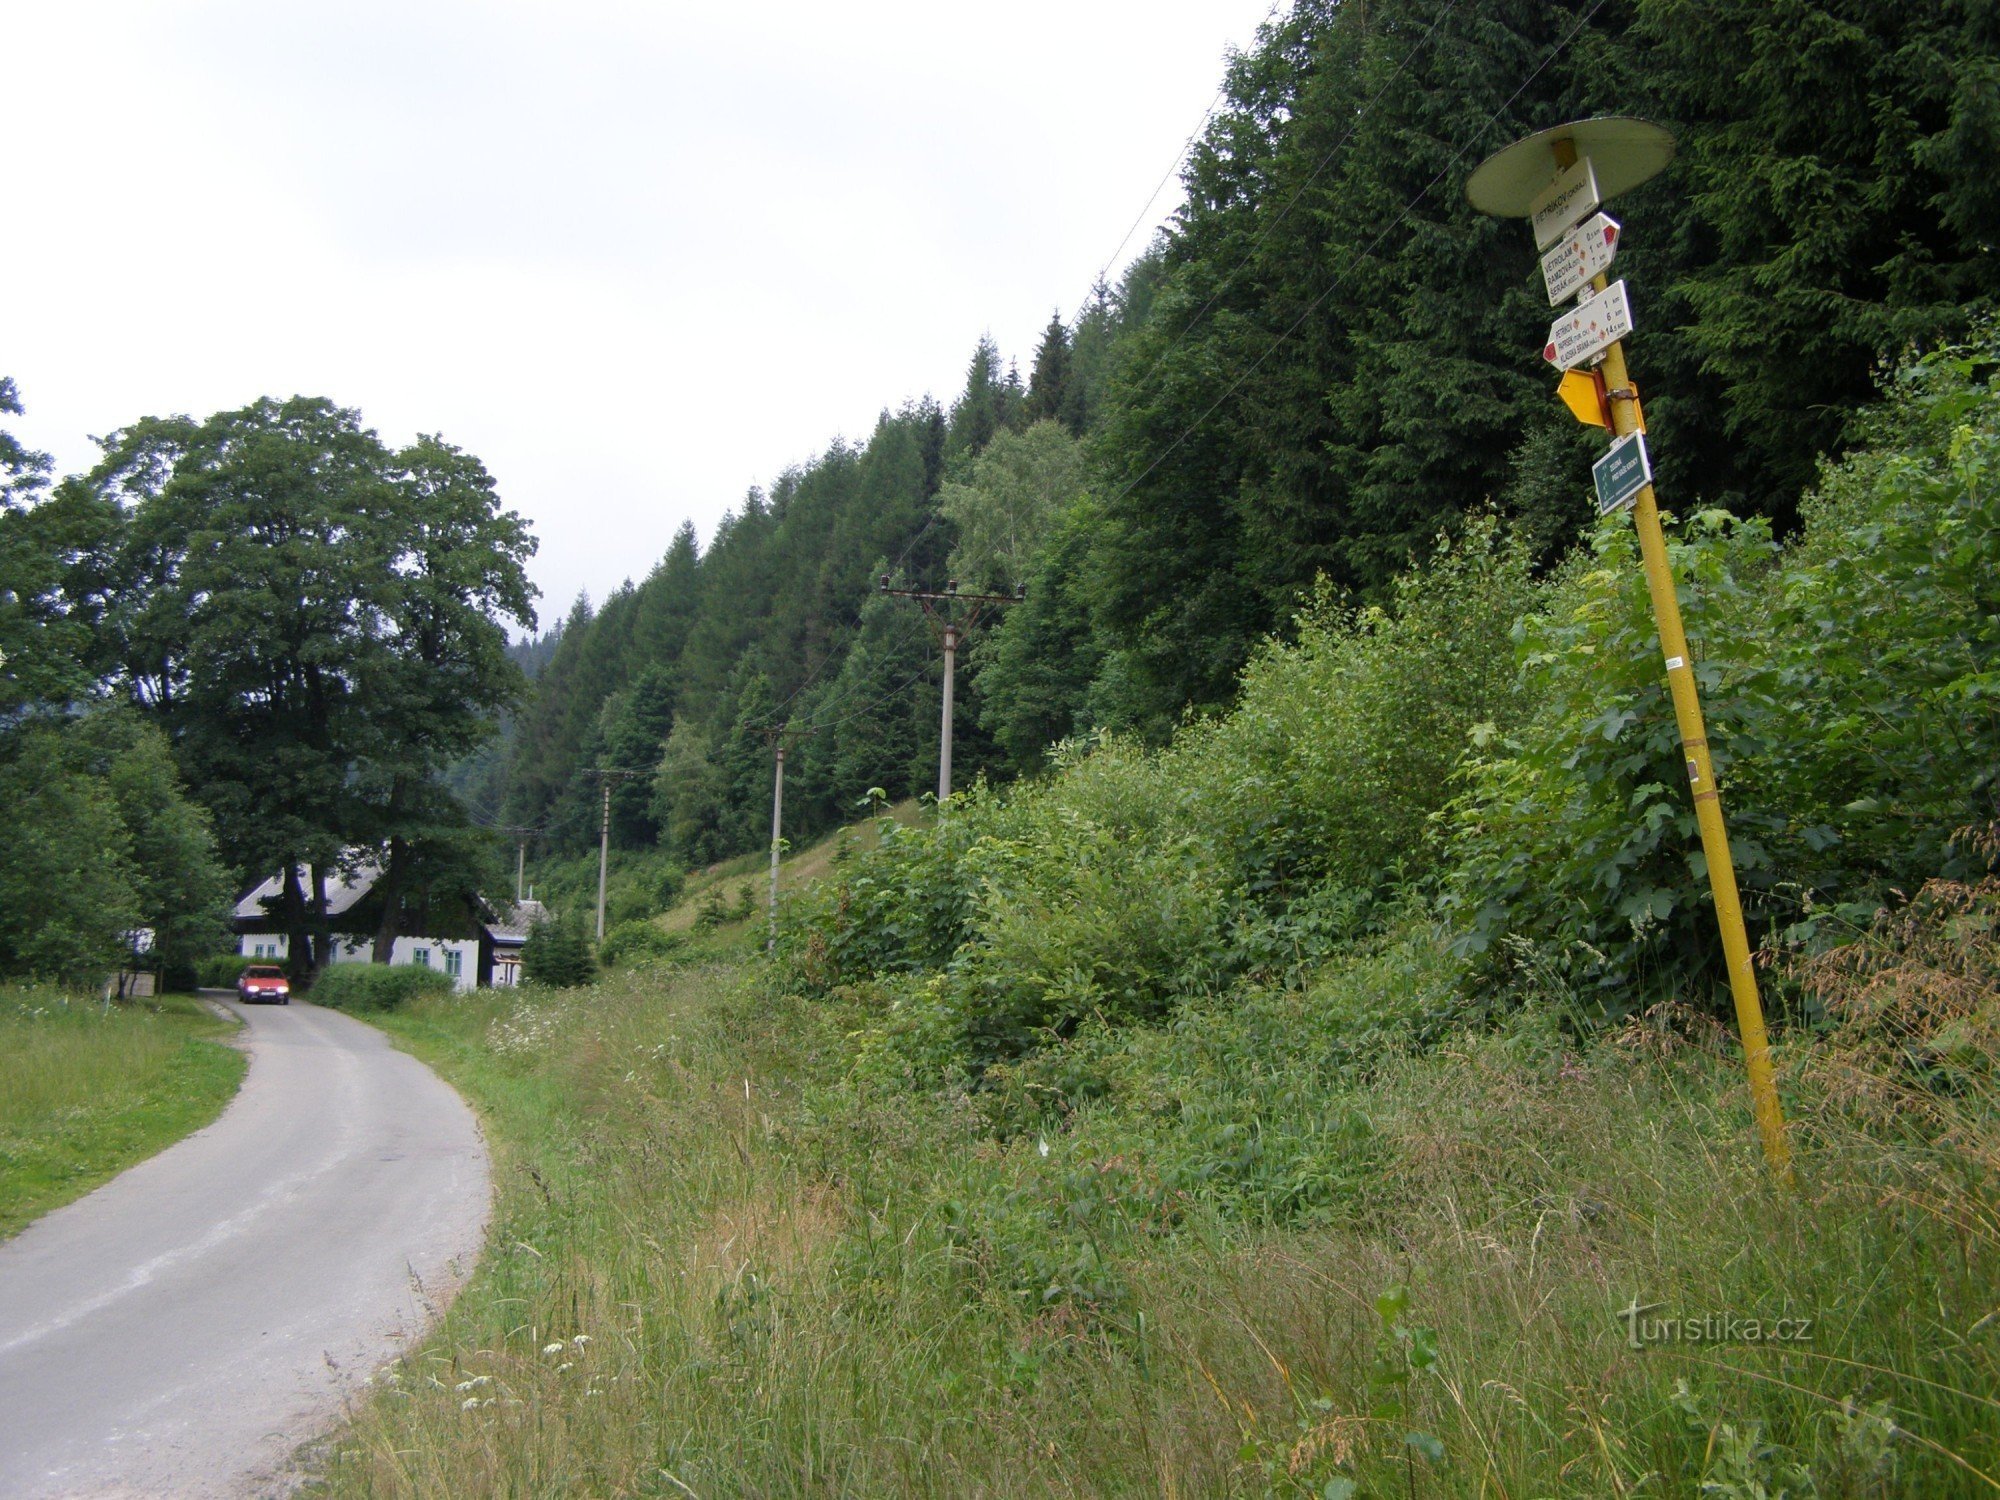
<point>1594,327</point>
<point>1582,391</point>
<point>1622,473</point>
<point>1585,250</point>
<point>1564,203</point>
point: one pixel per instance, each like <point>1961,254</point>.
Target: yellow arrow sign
<point>1582,391</point>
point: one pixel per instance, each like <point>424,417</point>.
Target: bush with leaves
<point>1883,644</point>
<point>1343,741</point>
<point>1127,879</point>
<point>1575,830</point>
<point>631,944</point>
<point>358,986</point>
<point>1849,686</point>
<point>558,955</point>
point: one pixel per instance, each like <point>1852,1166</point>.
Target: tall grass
<point>1240,1254</point>
<point>87,1089</point>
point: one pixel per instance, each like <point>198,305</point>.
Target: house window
<point>454,962</point>
<point>422,957</point>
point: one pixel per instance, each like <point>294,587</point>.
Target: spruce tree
<point>1048,383</point>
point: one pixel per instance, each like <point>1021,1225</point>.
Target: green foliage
<point>636,943</point>
<point>1836,169</point>
<point>101,842</point>
<point>67,896</point>
<point>314,620</point>
<point>377,987</point>
<point>220,971</point>
<point>639,884</point>
<point>558,955</point>
<point>46,554</point>
<point>1013,494</point>
<point>1330,767</point>
<point>1848,687</point>
<point>1130,879</point>
<point>1878,685</point>
<point>1577,828</point>
<point>1035,668</point>
<point>712,912</point>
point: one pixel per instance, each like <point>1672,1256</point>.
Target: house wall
<point>436,953</point>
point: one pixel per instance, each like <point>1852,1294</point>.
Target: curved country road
<point>181,1330</point>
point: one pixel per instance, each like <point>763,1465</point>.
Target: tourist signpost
<point>1556,180</point>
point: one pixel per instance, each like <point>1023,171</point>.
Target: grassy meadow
<point>1335,1101</point>
<point>88,1089</point>
<point>1242,1259</point>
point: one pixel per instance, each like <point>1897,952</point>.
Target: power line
<point>1179,158</point>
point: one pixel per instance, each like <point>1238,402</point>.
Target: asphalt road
<point>183,1329</point>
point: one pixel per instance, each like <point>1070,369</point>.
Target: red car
<point>264,982</point>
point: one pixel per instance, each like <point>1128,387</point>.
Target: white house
<point>476,943</point>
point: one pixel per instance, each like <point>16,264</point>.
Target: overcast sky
<point>637,257</point>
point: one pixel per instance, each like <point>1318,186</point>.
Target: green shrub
<point>558,955</point>
<point>365,987</point>
<point>1342,744</point>
<point>630,944</point>
<point>1256,845</point>
<point>712,912</point>
<point>222,970</point>
<point>1851,689</point>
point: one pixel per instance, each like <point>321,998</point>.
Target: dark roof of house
<point>348,906</point>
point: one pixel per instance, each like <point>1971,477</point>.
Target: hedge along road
<point>184,1328</point>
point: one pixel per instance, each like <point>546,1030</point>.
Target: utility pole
<point>951,629</point>
<point>1556,179</point>
<point>607,776</point>
<point>776,736</point>
<point>777,842</point>
<point>520,867</point>
<point>603,856</point>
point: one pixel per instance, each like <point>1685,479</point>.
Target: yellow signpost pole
<point>1626,418</point>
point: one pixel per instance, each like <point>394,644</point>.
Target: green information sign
<point>1622,473</point>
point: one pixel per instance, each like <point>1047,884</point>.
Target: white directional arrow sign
<point>1594,327</point>
<point>1585,250</point>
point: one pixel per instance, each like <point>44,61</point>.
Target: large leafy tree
<point>314,620</point>
<point>46,547</point>
<point>1009,501</point>
<point>439,671</point>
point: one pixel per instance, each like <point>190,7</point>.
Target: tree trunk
<point>322,935</point>
<point>298,932</point>
<point>391,887</point>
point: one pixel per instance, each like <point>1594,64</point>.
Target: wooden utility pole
<point>777,843</point>
<point>607,776</point>
<point>777,738</point>
<point>603,856</point>
<point>951,628</point>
